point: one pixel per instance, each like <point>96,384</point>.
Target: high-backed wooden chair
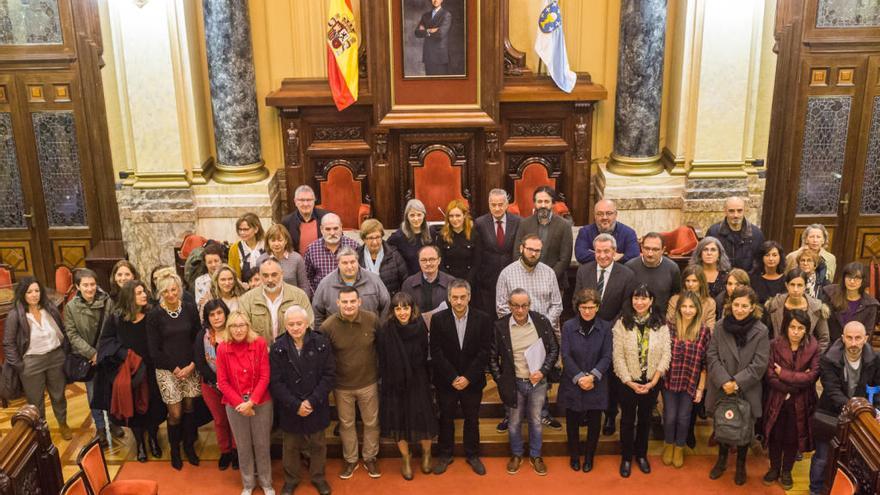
<point>681,241</point>
<point>855,450</point>
<point>346,195</point>
<point>533,176</point>
<point>76,485</point>
<point>64,283</point>
<point>94,466</point>
<point>182,251</point>
<point>437,182</point>
<point>7,275</point>
<point>29,461</point>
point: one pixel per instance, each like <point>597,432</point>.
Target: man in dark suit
<point>554,231</point>
<point>496,233</point>
<point>461,338</point>
<point>434,29</point>
<point>617,284</point>
<point>304,222</point>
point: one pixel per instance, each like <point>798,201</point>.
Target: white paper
<point>535,356</point>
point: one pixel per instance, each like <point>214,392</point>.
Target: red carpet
<point>460,480</point>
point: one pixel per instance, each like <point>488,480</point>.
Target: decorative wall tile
<point>11,197</point>
<point>848,14</point>
<point>62,92</point>
<point>60,170</point>
<point>35,93</point>
<point>71,252</point>
<point>846,77</point>
<point>3,97</point>
<point>871,184</point>
<point>822,154</point>
<point>16,254</point>
<point>818,77</point>
<point>30,22</point>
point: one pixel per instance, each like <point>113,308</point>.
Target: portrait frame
<point>422,57</point>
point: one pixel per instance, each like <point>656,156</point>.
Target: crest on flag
<point>549,20</point>
<point>340,34</point>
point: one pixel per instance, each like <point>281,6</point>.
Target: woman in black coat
<point>586,362</point>
<point>406,406</point>
<point>125,331</point>
<point>381,258</point>
<point>412,235</point>
<point>457,240</point>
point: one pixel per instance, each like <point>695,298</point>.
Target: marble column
<point>639,88</point>
<point>233,91</point>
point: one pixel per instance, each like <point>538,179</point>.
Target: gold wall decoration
<point>819,77</point>
<point>17,254</point>
<point>71,252</point>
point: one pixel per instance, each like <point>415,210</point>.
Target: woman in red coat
<point>792,372</point>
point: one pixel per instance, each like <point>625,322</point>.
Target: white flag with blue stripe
<point>550,45</point>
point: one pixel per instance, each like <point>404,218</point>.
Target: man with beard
<point>265,305</point>
<point>605,213</point>
<point>741,239</point>
<point>321,255</point>
<point>539,281</point>
<point>554,233</point>
<point>845,369</point>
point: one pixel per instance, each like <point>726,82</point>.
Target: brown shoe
<point>406,467</point>
<point>66,434</point>
<point>348,470</point>
<point>373,468</point>
<point>538,464</point>
<point>513,464</point>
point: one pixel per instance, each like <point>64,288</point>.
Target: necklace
<point>173,314</point>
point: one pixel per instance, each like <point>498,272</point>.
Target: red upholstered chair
<point>94,466</point>
<point>342,194</point>
<point>534,175</point>
<point>843,485</point>
<point>64,283</point>
<point>7,275</point>
<point>681,241</point>
<point>436,183</point>
<point>76,485</point>
<point>190,242</point>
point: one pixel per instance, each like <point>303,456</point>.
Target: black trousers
<point>573,421</point>
<point>635,420</point>
<point>450,400</point>
<point>783,441</point>
<point>613,393</point>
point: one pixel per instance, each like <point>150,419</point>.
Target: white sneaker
<point>247,491</point>
<point>268,490</point>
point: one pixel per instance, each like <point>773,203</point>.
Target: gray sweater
<point>370,289</point>
<point>664,280</point>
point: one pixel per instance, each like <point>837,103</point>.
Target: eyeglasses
<point>606,213</point>
<point>519,306</point>
<point>304,200</point>
<point>429,260</point>
<point>853,278</point>
<point>532,250</point>
<point>373,238</point>
<point>238,325</point>
<point>588,307</point>
<point>244,229</point>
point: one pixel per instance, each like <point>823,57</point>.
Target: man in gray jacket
<point>349,274</point>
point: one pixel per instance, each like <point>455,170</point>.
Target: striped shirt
<point>320,261</point>
<point>541,285</point>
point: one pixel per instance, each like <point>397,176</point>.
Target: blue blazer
<point>582,354</point>
<point>627,243</point>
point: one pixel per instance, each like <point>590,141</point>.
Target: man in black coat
<point>496,231</point>
<point>522,384</point>
<point>741,239</point>
<point>617,279</point>
<point>304,217</point>
<point>846,368</point>
<point>461,338</point>
<point>434,29</point>
<point>303,372</point>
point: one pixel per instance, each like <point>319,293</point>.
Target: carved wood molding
<point>455,151</point>
<point>517,162</point>
<point>337,132</point>
<point>358,167</point>
<point>291,156</point>
<point>535,128</point>
<point>492,146</point>
<point>380,148</point>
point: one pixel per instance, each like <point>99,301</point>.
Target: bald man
<point>605,214</point>
<point>741,239</point>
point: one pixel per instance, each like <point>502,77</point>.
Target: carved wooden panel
<point>17,254</point>
<point>535,128</point>
<point>415,150</point>
<point>517,162</point>
<point>337,133</point>
<point>357,166</point>
<point>71,252</point>
<point>868,243</point>
<point>798,231</point>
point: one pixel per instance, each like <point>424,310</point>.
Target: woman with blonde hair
<point>694,280</point>
<point>243,380</point>
<point>815,239</point>
<point>280,247</point>
<point>458,245</point>
<point>226,286</point>
<point>412,235</point>
<point>243,255</point>
<point>172,326</point>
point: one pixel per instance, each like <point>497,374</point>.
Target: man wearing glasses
<point>606,223</point>
<point>304,221</point>
<point>657,271</point>
<point>429,287</point>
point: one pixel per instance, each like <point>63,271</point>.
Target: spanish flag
<point>342,54</point>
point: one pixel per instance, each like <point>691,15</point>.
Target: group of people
<point>301,311</point>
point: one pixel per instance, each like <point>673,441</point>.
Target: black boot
<point>174,445</point>
<point>721,464</point>
<point>234,455</point>
<point>740,476</point>
<point>190,435</point>
<point>141,448</point>
<point>153,434</point>
<point>225,461</point>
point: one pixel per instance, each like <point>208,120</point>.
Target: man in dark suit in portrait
<point>434,28</point>
<point>496,233</point>
<point>461,338</point>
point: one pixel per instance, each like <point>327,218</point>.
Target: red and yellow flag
<point>342,54</point>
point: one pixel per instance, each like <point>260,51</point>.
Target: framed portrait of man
<point>434,35</point>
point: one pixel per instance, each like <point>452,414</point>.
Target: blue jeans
<point>97,414</point>
<point>817,466</point>
<point>529,401</point>
<point>677,408</point>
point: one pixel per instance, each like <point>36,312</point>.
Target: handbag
<point>10,383</point>
<point>824,426</point>
<point>734,423</point>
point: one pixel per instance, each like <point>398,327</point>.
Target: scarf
<point>586,326</point>
<point>811,285</point>
<point>211,349</point>
<point>369,264</point>
<point>397,367</point>
<point>644,341</point>
<point>739,328</point>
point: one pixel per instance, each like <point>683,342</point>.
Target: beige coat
<point>253,303</point>
<point>626,352</point>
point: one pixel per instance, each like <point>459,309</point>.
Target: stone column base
<point>635,167</point>
<point>647,204</point>
<point>219,205</point>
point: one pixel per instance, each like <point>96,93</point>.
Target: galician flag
<point>342,54</point>
<point>550,45</point>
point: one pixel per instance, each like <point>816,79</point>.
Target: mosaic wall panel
<point>823,153</point>
<point>58,157</point>
<point>871,184</point>
<point>11,197</point>
<point>16,254</point>
<point>30,22</point>
<point>848,14</point>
